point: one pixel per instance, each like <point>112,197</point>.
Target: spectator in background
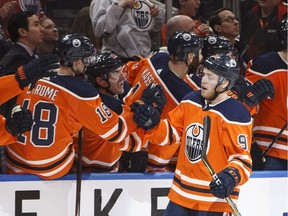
<point>125,25</point>
<point>50,36</point>
<point>5,12</point>
<point>224,22</point>
<point>190,8</point>
<point>82,24</point>
<point>271,121</point>
<point>27,34</point>
<point>259,28</point>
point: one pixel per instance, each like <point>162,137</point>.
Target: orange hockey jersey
<point>9,88</point>
<point>272,114</point>
<point>229,145</point>
<point>155,70</point>
<point>61,105</point>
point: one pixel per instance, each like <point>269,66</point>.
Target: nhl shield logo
<point>194,137</point>
<point>142,15</point>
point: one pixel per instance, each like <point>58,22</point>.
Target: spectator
<point>271,121</point>
<point>50,36</point>
<point>82,24</point>
<point>224,22</point>
<point>259,28</point>
<point>125,26</point>
<point>61,105</point>
<point>190,8</point>
<point>193,191</point>
<point>169,71</point>
<point>27,34</point>
<point>5,12</point>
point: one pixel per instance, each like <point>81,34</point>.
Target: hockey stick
<point>206,132</point>
<point>273,141</point>
<point>79,174</point>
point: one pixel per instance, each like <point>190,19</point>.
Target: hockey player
<point>169,71</point>
<point>98,155</point>
<point>61,105</point>
<point>20,119</point>
<point>271,121</point>
<point>193,191</point>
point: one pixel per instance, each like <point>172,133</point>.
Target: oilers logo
<point>142,15</point>
<point>194,136</point>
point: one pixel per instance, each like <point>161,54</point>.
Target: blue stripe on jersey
<point>196,189</point>
<point>75,85</point>
<point>275,63</point>
<point>231,109</point>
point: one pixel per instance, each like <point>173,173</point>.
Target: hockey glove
<point>240,88</point>
<point>145,116</point>
<point>36,69</point>
<point>229,178</point>
<point>19,121</point>
<point>263,89</point>
<point>154,96</point>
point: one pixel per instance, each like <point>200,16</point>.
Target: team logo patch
<point>76,43</point>
<point>212,40</point>
<point>194,136</point>
<point>142,15</point>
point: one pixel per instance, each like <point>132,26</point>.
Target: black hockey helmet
<point>216,44</point>
<point>223,66</point>
<point>180,44</point>
<point>73,46</point>
<point>282,33</point>
<point>106,62</point>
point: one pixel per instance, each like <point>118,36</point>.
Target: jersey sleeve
<point>6,137</point>
<point>10,86</point>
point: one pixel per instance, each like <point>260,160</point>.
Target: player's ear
<point>101,82</point>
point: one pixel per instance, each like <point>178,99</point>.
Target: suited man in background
<point>26,34</point>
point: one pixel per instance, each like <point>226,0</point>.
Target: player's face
<point>116,81</point>
<point>208,83</point>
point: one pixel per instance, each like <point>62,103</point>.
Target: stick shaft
<point>206,132</point>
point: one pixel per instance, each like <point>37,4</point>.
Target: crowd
<point>101,98</point>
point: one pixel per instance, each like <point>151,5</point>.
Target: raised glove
<point>145,116</point>
<point>154,96</point>
<point>229,178</point>
<point>19,121</point>
<point>263,89</point>
<point>36,69</point>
